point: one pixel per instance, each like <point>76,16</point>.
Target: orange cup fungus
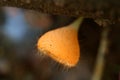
<point>62,44</point>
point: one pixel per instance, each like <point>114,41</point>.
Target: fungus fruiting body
<point>62,44</point>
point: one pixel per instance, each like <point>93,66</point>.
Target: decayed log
<point>109,9</point>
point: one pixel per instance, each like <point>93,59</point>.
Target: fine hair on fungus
<point>62,44</point>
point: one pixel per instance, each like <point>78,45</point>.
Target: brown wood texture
<point>109,9</point>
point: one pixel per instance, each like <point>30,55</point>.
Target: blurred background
<point>19,60</point>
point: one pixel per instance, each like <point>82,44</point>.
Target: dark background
<point>19,60</point>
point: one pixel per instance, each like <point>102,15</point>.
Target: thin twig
<point>97,74</point>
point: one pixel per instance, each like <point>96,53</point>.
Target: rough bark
<point>109,9</point>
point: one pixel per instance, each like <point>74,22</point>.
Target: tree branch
<point>89,8</point>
